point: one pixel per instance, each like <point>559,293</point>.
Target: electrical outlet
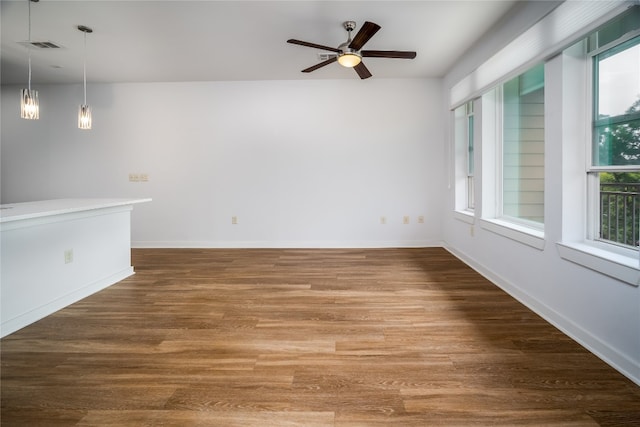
<point>234,220</point>
<point>383,220</point>
<point>134,177</point>
<point>405,219</point>
<point>68,256</point>
<point>421,219</point>
<point>144,177</point>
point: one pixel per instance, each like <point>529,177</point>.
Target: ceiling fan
<point>348,54</point>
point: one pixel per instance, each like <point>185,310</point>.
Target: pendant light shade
<point>29,104</point>
<point>84,112</point>
<point>84,117</point>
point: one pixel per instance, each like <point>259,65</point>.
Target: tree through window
<point>616,142</point>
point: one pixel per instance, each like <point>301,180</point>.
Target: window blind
<point>565,24</point>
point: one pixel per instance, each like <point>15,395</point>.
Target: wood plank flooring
<point>284,337</point>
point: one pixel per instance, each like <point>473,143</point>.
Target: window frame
<point>592,170</point>
<point>470,152</point>
<point>523,222</point>
<point>464,182</point>
<point>580,244</point>
<point>528,232</point>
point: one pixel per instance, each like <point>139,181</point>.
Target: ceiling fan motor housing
<point>344,47</point>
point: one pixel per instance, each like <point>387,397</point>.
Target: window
<point>601,129</point>
<point>614,173</point>
<point>522,184</point>
<point>470,153</point>
<point>513,152</point>
<point>464,143</point>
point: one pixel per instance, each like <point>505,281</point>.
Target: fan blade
<point>362,71</point>
<point>320,65</point>
<point>366,32</point>
<point>388,54</point>
<point>317,46</point>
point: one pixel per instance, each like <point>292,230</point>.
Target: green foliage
<point>620,177</point>
<point>619,141</point>
<point>620,207</point>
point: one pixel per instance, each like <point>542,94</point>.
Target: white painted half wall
<point>57,252</point>
<point>297,163</point>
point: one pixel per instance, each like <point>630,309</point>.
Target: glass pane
<point>616,128</point>
<point>523,146</point>
<point>619,80</point>
<point>470,193</point>
<point>619,203</point>
<point>470,146</point>
<point>615,29</point>
<point>470,164</point>
<point>618,144</point>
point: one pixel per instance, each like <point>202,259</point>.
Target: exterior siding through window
<point>523,147</point>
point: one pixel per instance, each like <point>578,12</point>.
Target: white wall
<point>299,163</point>
<point>600,312</point>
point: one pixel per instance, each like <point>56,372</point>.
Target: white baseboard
<point>12,325</point>
<point>619,361</point>
<point>287,244</point>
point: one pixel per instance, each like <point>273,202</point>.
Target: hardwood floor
<point>270,337</point>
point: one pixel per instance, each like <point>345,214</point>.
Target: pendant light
<point>29,104</point>
<point>84,113</point>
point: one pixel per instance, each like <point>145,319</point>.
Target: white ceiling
<point>147,40</point>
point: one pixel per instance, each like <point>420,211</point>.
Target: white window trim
<point>519,233</point>
<point>465,216</point>
<point>621,266</point>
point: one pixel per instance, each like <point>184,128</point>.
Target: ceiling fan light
<point>349,59</point>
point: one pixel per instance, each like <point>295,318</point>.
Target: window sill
<point>625,268</point>
<point>465,216</point>
<point>519,233</point>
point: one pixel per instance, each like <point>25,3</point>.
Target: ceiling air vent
<point>39,44</point>
<point>325,56</point>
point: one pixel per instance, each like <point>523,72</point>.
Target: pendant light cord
<point>85,68</point>
<point>29,85</point>
<point>29,46</point>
